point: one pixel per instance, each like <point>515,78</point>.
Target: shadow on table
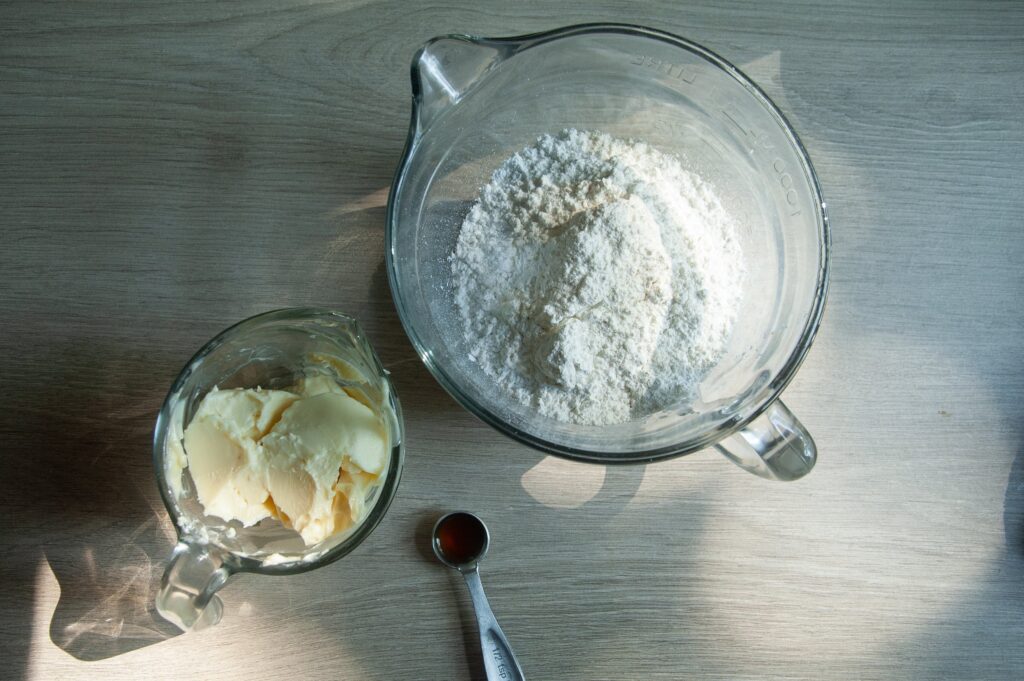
<point>106,605</point>
<point>1013,512</point>
<point>989,621</point>
<point>80,475</point>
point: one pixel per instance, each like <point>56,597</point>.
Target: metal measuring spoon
<point>460,541</point>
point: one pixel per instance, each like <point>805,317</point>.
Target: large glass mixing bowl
<point>477,101</point>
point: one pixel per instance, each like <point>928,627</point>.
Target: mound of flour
<point>597,279</point>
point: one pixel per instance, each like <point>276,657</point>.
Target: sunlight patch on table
<point>557,483</point>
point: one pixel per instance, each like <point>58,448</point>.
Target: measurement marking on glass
<point>759,139</point>
<point>677,71</point>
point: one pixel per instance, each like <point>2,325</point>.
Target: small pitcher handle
<point>187,596</point>
<point>775,445</point>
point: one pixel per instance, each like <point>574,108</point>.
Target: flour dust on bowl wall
<point>608,243</point>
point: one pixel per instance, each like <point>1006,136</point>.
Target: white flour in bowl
<point>597,279</point>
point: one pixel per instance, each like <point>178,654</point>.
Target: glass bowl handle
<point>775,446</point>
<point>187,596</point>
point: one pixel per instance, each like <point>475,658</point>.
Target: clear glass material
<point>476,101</point>
<point>272,350</point>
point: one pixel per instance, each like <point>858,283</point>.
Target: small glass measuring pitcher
<point>273,351</point>
<point>476,101</point>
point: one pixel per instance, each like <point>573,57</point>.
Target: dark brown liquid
<point>461,538</point>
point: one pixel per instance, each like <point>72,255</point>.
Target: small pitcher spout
<point>445,69</point>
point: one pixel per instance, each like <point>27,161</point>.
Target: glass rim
<point>764,397</point>
<point>240,563</point>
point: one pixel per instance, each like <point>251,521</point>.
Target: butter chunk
<point>310,458</point>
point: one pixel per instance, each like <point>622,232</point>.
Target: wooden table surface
<point>170,168</point>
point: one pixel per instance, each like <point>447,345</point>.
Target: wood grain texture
<point>169,168</point>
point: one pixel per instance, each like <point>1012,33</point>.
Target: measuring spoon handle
<point>499,660</point>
